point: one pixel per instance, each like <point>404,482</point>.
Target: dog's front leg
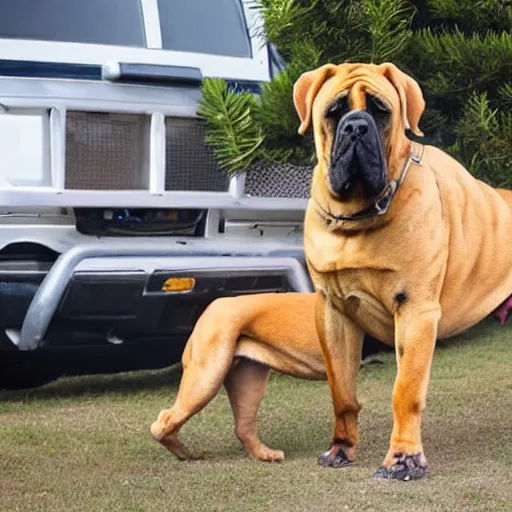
<point>342,341</point>
<point>415,338</point>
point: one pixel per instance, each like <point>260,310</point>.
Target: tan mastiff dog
<point>401,242</point>
<point>237,341</point>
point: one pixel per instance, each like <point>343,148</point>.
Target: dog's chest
<point>361,294</point>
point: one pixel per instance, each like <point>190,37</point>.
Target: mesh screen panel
<point>280,180</point>
<point>106,151</point>
<point>190,164</point>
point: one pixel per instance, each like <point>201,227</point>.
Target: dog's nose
<point>356,127</point>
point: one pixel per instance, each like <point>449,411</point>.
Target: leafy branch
<point>231,129</point>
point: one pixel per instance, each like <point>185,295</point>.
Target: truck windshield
<point>80,21</point>
<point>214,27</point>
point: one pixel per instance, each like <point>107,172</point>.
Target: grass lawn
<point>83,444</point>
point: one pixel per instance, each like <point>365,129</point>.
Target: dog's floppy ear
<point>305,90</point>
<point>411,97</point>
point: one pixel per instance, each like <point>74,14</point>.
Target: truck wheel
<point>18,374</point>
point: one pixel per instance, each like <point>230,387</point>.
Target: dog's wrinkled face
<point>357,154</point>
<point>359,114</point>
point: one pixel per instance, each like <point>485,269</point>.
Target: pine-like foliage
<point>485,141</point>
<point>460,51</point>
<point>461,54</point>
<point>277,115</point>
<point>343,30</point>
<point>231,129</point>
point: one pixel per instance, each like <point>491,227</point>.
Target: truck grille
<point>190,164</point>
<point>106,151</point>
<point>109,151</point>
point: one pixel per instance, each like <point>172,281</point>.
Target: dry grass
<point>83,443</point>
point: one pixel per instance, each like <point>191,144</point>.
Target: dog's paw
<point>157,430</point>
<point>334,458</point>
<point>405,467</point>
<point>270,455</point>
<point>264,453</point>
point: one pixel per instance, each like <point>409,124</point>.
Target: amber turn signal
<point>179,284</point>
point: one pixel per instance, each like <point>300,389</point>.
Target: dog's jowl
<point>401,242</point>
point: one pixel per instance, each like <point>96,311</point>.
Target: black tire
<point>23,373</point>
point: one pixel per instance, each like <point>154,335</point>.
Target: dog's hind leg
<point>246,384</point>
<point>206,361</point>
<point>169,422</point>
<point>197,388</point>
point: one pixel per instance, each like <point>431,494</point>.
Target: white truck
<point>117,227</point>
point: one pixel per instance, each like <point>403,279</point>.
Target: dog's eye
<point>376,105</point>
<point>337,109</point>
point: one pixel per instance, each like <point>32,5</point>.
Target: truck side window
<point>215,27</point>
<point>79,21</point>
